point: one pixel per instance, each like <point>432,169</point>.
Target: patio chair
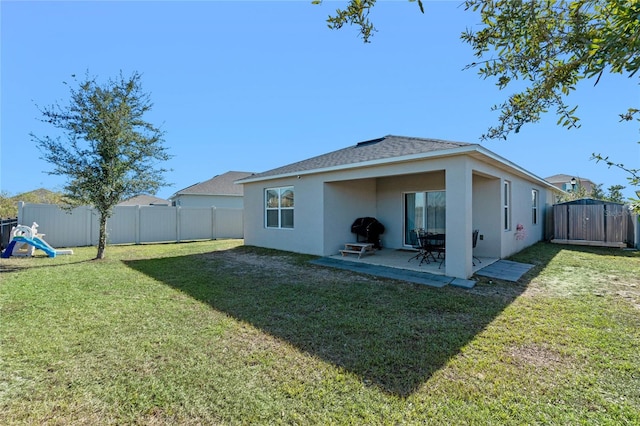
<point>435,246</point>
<point>475,241</point>
<point>416,237</point>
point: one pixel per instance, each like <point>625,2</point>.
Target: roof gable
<point>562,178</point>
<point>223,184</point>
<point>145,200</point>
<point>387,147</point>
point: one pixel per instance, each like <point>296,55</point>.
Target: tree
<point>108,153</point>
<point>357,13</point>
<point>615,194</point>
<point>549,45</point>
<point>580,192</point>
<point>9,204</point>
<point>552,45</point>
<point>597,193</point>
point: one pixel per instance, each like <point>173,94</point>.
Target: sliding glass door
<point>424,210</point>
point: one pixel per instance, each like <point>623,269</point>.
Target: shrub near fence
<point>131,224</point>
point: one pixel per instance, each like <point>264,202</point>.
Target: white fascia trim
<point>514,166</point>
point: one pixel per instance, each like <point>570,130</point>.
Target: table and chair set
<point>430,246</point>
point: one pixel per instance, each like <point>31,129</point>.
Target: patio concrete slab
<point>505,270</point>
<point>416,277</point>
<point>459,282</point>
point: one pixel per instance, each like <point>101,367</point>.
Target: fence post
<point>178,216</point>
<point>213,222</point>
<point>636,228</point>
<point>88,226</point>
<point>20,211</point>
<point>136,223</point>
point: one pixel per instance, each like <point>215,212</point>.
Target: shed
<point>593,222</point>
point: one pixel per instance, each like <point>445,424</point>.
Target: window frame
<point>423,211</point>
<point>535,206</point>
<point>506,193</point>
<point>279,208</point>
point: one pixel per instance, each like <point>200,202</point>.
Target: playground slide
<point>41,244</point>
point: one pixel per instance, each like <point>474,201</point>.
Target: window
<point>279,207</point>
<point>507,205</point>
<point>534,206</point>
<point>426,210</point>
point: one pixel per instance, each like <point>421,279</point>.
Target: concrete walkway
<point>394,265</point>
<point>505,270</point>
<point>409,275</point>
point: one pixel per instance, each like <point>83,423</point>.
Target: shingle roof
<point>387,147</point>
<point>562,178</point>
<point>218,185</point>
<point>144,200</point>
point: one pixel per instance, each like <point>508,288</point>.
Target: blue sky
<point>254,85</point>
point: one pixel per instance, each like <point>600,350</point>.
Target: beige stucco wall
<point>308,232</point>
<point>391,192</point>
<point>521,213</point>
<point>487,218</point>
<point>220,201</point>
<point>327,204</point>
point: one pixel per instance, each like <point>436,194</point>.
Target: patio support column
<point>459,189</point>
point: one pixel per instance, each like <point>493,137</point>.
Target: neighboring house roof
<point>223,184</point>
<point>145,200</point>
<point>562,178</point>
<point>563,182</point>
<point>387,149</point>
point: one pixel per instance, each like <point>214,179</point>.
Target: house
<point>220,191</point>
<point>145,200</point>
<point>570,183</point>
<point>405,183</point>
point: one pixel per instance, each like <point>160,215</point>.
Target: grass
<point>218,333</point>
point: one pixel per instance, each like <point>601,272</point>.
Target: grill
<point>368,229</point>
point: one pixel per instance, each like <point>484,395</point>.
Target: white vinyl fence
<point>131,224</point>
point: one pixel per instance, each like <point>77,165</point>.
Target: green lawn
<point>218,333</point>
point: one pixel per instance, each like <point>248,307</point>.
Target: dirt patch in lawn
<point>281,266</point>
<point>537,356</point>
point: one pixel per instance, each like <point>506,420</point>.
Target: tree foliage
<point>614,193</point>
<point>545,46</point>
<point>357,13</point>
<point>108,152</point>
<point>552,45</point>
<point>9,204</point>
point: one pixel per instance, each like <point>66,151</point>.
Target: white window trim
<point>279,209</point>
<point>506,209</point>
<point>535,214</point>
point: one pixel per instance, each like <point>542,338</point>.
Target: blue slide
<point>37,243</point>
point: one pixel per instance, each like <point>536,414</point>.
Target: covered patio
<point>403,266</point>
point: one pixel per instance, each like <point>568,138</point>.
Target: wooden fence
<point>131,224</point>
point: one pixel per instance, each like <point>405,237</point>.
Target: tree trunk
<point>102,239</point>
